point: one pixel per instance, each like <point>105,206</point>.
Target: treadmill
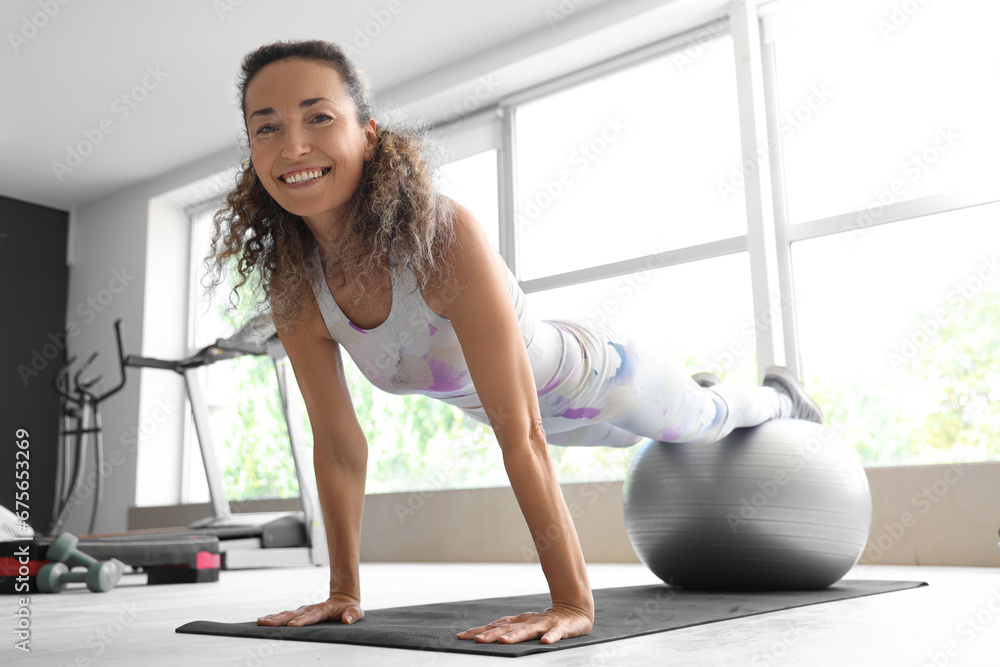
<point>251,539</point>
<point>244,540</point>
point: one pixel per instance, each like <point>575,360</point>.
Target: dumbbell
<point>101,576</point>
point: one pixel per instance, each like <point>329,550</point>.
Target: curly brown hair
<point>395,217</point>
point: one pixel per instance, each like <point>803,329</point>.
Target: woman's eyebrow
<point>269,111</point>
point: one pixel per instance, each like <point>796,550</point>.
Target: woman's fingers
<point>348,612</point>
<point>472,632</point>
<point>550,625</point>
<point>553,635</point>
<point>279,618</point>
<point>519,633</point>
<point>307,618</point>
<point>511,633</point>
<point>351,614</point>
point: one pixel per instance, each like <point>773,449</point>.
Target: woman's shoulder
<point>470,260</point>
<point>471,242</point>
<point>308,323</point>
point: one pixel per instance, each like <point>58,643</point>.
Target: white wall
<point>143,241</point>
<point>160,428</point>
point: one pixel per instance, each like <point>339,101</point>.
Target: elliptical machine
<point>81,417</point>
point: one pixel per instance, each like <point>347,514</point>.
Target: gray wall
<point>32,349</point>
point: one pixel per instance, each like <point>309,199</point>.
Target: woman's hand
<point>338,607</point>
<point>555,623</point>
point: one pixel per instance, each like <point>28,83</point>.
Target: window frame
<point>765,87</point>
<point>193,480</point>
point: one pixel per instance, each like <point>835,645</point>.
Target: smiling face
<point>307,145</point>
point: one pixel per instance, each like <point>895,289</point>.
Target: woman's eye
<point>269,129</point>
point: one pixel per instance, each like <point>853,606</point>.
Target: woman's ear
<point>371,139</point>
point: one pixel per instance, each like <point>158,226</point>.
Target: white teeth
<point>300,176</point>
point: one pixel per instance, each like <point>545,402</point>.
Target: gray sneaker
<point>783,380</point>
<point>706,379</point>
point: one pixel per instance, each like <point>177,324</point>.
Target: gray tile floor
<point>954,621</point>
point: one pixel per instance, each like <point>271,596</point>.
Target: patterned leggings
<point>610,389</point>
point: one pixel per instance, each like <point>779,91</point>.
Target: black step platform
<point>170,557</point>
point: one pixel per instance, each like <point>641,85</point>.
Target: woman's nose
<point>295,144</point>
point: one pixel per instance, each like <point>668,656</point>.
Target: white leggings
<point>609,389</point>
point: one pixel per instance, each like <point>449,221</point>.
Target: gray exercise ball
<point>780,506</point>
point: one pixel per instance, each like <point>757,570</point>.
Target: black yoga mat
<point>620,613</point>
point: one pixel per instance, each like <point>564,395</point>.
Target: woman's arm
<point>479,308</point>
<point>340,454</point>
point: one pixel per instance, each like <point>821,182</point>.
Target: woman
<point>430,307</point>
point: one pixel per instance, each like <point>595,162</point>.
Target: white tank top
<point>416,351</point>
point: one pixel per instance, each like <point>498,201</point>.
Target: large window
<point>903,348</point>
<point>865,259</point>
<point>884,101</point>
<point>888,166</point>
<point>624,166</point>
<point>247,425</point>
